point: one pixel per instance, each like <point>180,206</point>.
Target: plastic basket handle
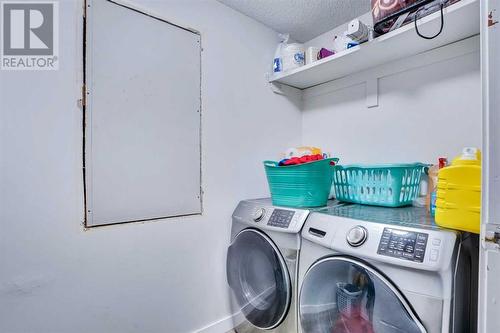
<point>270,163</point>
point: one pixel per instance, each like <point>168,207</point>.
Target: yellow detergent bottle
<point>458,203</point>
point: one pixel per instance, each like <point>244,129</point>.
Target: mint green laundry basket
<point>390,185</point>
<point>302,185</point>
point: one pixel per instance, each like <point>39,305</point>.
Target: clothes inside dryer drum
<point>259,280</point>
<point>345,295</point>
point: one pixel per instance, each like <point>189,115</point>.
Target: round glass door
<point>344,295</point>
<point>259,280</point>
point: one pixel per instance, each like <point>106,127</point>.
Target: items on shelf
<point>358,31</point>
<point>458,204</point>
<point>343,43</point>
<point>389,15</point>
<point>278,60</point>
<point>293,56</point>
<point>461,23</point>
<point>288,56</point>
<point>312,54</point>
<point>323,53</point>
<point>352,44</point>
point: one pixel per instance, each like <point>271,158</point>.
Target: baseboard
<point>221,326</point>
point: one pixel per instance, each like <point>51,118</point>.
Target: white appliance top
<point>262,214</point>
<point>401,236</point>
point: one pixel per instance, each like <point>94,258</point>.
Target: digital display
<point>281,218</point>
<point>403,244</point>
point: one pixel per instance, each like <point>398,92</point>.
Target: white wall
<point>424,111</point>
<point>164,276</point>
<point>169,276</point>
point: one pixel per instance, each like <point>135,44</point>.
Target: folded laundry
<point>300,160</point>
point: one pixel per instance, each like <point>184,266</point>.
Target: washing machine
<point>262,266</point>
<point>385,270</point>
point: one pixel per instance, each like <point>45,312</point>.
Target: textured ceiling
<point>303,19</point>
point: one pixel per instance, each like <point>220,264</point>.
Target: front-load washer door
<point>342,294</point>
<point>259,279</point>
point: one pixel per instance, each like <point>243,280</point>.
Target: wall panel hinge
<point>83,100</point>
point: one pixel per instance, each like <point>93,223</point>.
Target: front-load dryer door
<point>341,294</point>
<point>259,279</point>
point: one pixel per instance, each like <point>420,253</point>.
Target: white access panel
<point>489,269</point>
<point>143,116</point>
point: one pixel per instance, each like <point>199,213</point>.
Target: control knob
<point>258,214</point>
<point>356,236</point>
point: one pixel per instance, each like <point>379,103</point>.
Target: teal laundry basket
<point>302,185</point>
<point>390,185</point>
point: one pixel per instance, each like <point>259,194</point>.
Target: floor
<point>247,329</point>
<point>239,331</point>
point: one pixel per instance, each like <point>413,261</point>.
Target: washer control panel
<point>281,218</point>
<point>403,244</point>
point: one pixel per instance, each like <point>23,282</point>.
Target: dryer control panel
<point>260,213</point>
<point>281,218</point>
<point>403,244</point>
